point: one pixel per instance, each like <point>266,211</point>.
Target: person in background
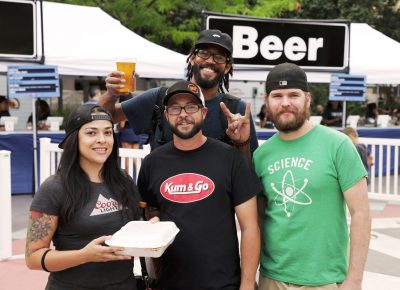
<point>371,115</point>
<point>264,120</point>
<point>201,184</point>
<point>319,110</point>
<point>209,65</point>
<point>366,156</point>
<point>43,111</point>
<point>126,136</point>
<point>78,208</point>
<point>309,173</point>
<point>396,116</point>
<point>95,95</point>
<point>333,114</point>
<point>4,107</point>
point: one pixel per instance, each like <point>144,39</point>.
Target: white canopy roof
<point>86,41</point>
<point>371,53</point>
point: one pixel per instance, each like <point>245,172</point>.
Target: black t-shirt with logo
<point>101,216</point>
<point>198,190</point>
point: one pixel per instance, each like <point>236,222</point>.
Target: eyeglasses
<point>205,54</point>
<point>189,109</point>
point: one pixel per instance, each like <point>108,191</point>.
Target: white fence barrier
<point>5,205</point>
<point>384,174</point>
<point>131,159</point>
<point>49,158</point>
<point>50,155</point>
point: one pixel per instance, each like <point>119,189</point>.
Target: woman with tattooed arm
<point>78,208</point>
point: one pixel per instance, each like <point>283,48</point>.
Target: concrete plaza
<point>382,270</point>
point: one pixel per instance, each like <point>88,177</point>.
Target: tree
<point>175,24</point>
<point>383,15</point>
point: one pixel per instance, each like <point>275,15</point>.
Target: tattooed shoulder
<point>39,226</point>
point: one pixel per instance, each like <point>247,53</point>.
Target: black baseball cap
<point>184,87</point>
<point>80,116</point>
<point>215,36</point>
<point>286,76</point>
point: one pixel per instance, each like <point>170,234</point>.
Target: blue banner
<point>33,81</point>
<point>345,87</point>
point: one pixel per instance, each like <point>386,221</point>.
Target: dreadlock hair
<point>76,183</point>
<point>224,83</point>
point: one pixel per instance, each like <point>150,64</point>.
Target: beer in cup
<point>128,66</point>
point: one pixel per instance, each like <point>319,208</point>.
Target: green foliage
<point>380,14</point>
<point>319,93</point>
<point>175,24</point>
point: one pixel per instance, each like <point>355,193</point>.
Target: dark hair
<point>329,105</point>
<point>225,80</point>
<point>76,183</point>
<point>42,109</point>
<point>261,114</point>
<point>371,111</point>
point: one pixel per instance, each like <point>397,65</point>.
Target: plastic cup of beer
<point>128,66</point>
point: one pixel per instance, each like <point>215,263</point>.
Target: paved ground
<point>382,270</point>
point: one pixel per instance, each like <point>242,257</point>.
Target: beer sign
<point>264,43</point>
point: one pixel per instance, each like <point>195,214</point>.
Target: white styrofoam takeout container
<point>144,239</point>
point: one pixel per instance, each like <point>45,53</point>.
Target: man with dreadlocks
<point>209,65</point>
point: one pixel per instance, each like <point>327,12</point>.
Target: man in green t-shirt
<point>309,174</point>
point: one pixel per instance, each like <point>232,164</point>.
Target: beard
<point>287,126</point>
<point>186,135</point>
<point>207,83</point>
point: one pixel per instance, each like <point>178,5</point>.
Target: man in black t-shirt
<point>200,184</point>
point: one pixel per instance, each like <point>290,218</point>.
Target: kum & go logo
<point>187,187</point>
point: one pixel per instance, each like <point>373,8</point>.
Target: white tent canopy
<point>85,41</point>
<point>371,53</point>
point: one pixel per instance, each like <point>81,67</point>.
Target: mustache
<point>184,120</point>
<point>209,65</point>
<point>281,112</point>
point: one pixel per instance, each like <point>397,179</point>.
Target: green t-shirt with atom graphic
<point>305,234</point>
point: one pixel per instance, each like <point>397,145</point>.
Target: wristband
<point>42,261</point>
<point>236,144</point>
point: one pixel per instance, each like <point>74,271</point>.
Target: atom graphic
<point>291,195</point>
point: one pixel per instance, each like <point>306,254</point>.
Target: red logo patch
<point>193,88</point>
<point>187,187</point>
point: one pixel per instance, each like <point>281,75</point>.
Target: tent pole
<point>42,58</point>
<point>34,136</point>
<point>344,115</point>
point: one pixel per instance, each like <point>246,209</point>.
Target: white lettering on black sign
<point>316,45</point>
<point>272,47</point>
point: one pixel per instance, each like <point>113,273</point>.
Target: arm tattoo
<point>38,228</point>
